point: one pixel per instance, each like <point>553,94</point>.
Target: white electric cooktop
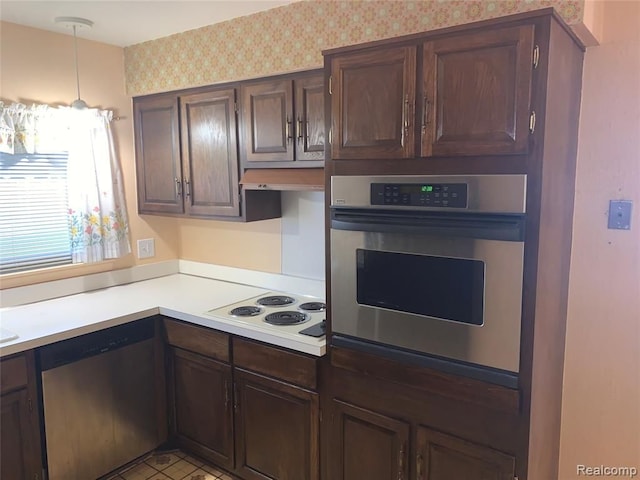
<point>277,312</point>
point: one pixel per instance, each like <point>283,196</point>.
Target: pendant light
<point>75,23</point>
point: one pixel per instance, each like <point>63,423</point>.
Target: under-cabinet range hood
<point>283,179</point>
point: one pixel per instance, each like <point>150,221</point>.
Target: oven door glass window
<point>438,287</point>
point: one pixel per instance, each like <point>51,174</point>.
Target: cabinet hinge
<point>536,56</point>
<point>239,198</point>
<point>532,122</point>
<point>235,106</point>
<point>320,416</point>
<point>330,85</point>
<point>30,405</point>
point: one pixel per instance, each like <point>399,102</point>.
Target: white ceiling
<point>124,23</point>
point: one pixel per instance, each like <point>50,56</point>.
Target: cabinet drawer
<point>282,364</point>
<point>13,373</point>
<point>204,341</point>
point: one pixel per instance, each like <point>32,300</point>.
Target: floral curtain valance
<point>97,215</point>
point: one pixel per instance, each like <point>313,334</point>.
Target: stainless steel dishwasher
<point>99,395</point>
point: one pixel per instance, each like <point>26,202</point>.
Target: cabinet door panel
<point>159,177</point>
<point>373,103</point>
<point>476,93</point>
<point>365,444</point>
<point>267,120</point>
<point>310,129</point>
<point>277,429</point>
<point>20,452</point>
<point>443,457</point>
<point>202,406</point>
<point>209,152</point>
<point>14,419</point>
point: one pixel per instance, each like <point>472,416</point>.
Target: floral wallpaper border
<point>292,37</point>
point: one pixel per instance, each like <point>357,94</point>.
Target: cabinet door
<point>267,121</point>
<point>158,172</point>
<point>310,136</point>
<point>18,454</point>
<point>201,394</point>
<point>210,153</point>
<point>372,104</point>
<point>443,457</point>
<point>277,428</point>
<point>365,444</point>
<point>477,91</point>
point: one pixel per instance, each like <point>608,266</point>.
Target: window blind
<point>34,230</point>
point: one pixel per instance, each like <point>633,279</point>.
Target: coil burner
<point>286,318</point>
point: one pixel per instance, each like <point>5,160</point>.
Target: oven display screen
<point>439,287</point>
<point>438,195</point>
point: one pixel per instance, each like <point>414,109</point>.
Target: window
<point>61,195</point>
<point>34,228</point>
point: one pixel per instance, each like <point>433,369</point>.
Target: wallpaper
<point>292,37</point>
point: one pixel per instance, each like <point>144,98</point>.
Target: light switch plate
<point>146,248</point>
<point>620,214</point>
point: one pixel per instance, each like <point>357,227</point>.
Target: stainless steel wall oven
<point>429,269</point>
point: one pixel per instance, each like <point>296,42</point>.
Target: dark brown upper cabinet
<point>283,122</point>
<point>309,111</point>
<point>372,104</point>
<point>210,153</point>
<point>476,93</point>
<point>158,164</point>
<point>187,157</point>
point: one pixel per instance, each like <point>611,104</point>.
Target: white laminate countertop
<point>180,296</point>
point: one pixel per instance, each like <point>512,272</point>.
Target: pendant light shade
<point>75,23</point>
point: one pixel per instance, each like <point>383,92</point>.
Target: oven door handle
<point>489,226</point>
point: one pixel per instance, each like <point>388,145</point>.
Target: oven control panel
<point>450,195</point>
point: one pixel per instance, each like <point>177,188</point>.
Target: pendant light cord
<point>75,45</point>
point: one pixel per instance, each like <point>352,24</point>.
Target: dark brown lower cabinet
<point>277,429</point>
<point>203,411</point>
<point>364,444</point>
<point>444,457</point>
<point>19,432</point>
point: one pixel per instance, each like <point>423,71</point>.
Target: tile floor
<point>173,465</point>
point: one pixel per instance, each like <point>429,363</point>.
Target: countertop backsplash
<point>303,234</point>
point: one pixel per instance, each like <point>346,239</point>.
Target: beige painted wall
<point>601,409</point>
<point>37,66</point>
<point>253,245</point>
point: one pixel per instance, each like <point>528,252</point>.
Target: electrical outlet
<point>620,214</point>
<point>146,248</point>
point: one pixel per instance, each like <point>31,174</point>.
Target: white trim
<point>12,297</point>
<point>271,281</point>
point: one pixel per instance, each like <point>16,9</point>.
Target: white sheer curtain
<point>97,213</point>
<point>98,223</point>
